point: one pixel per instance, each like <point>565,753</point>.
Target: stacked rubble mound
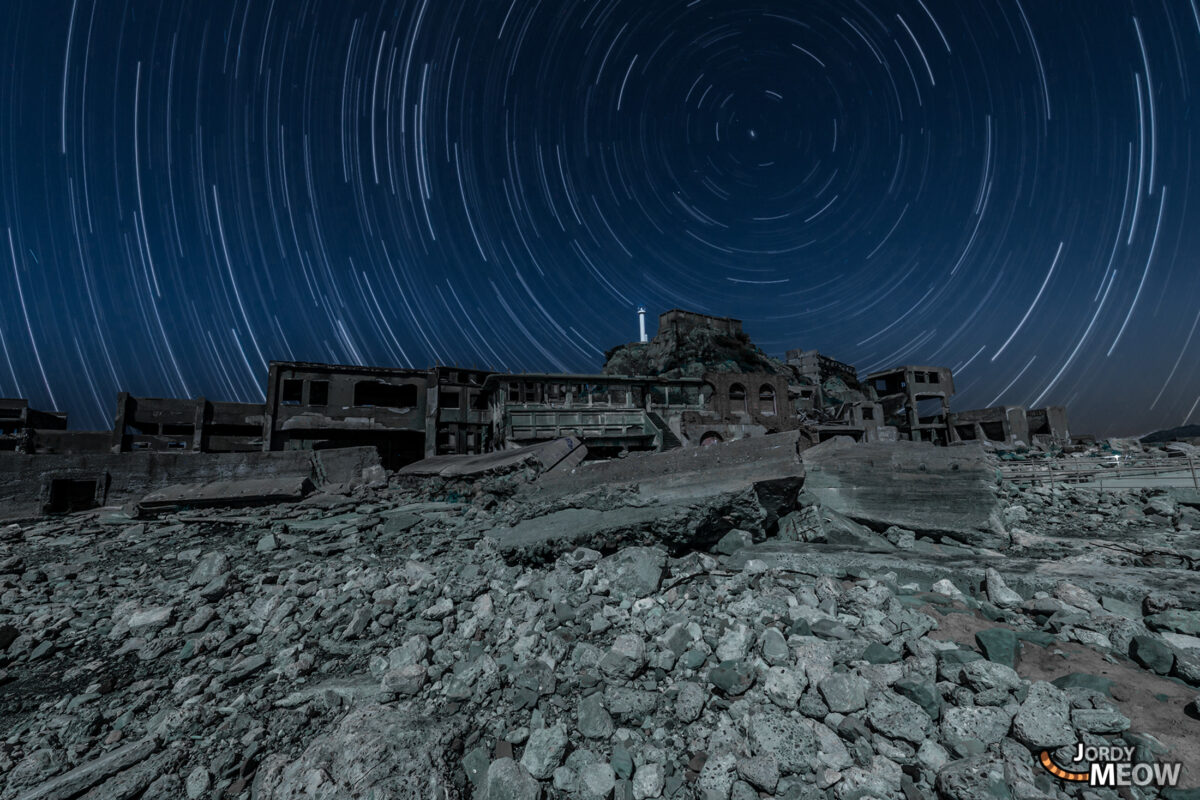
<point>386,643</point>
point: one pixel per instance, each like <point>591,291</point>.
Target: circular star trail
<point>189,190</point>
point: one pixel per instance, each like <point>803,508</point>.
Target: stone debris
<point>387,642</point>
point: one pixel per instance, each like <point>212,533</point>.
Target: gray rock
<point>998,591</point>
<point>648,781</point>
<point>508,780</point>
<point>1000,645</point>
<point>376,750</point>
<point>733,541</point>
<point>247,667</point>
<point>732,677</point>
<point>734,643</point>
<point>1043,720</point>
<point>544,751</point>
<point>596,780</point>
<point>932,755</point>
<point>90,773</point>
<point>594,721</point>
<point>441,609</point>
<point>210,566</point>
<point>150,618</point>
<point>788,739</point>
<point>717,776</point>
<point>774,647</point>
<point>879,653</point>
<point>760,771</point>
<point>626,658</point>
<point>689,702</point>
<point>1152,653</point>
<point>984,675</point>
<point>1099,720</point>
<point>844,692</point>
<point>897,717</point>
<point>198,782</point>
<point>977,778</point>
<point>923,693</point>
<point>988,725</point>
<point>406,680</point>
<point>630,705</point>
<point>785,686</point>
<point>634,571</point>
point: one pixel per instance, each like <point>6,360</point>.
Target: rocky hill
<point>691,354</point>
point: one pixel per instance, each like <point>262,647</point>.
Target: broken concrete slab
<point>85,776</point>
<point>676,525</point>
<point>544,456</point>
<point>769,462</point>
<point>260,491</point>
<point>912,485</point>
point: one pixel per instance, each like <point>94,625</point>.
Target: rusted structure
<point>19,425</point>
<point>199,426</point>
<point>320,406</point>
<point>916,401</point>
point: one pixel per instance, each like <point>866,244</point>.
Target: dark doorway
<point>67,495</point>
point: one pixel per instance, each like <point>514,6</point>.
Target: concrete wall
<point>25,480</point>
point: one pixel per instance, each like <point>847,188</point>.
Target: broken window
<point>448,398</point>
<point>737,397</point>
<point>766,400</point>
<point>935,377</point>
<point>868,412</point>
<point>919,376</point>
<point>993,431</point>
<point>318,393</point>
<point>387,395</point>
<point>178,430</point>
<point>293,392</point>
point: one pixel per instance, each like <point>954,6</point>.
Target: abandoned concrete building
<point>699,381</point>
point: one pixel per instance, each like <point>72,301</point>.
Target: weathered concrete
<point>228,494</point>
<point>696,472</point>
<point>25,480</point>
<point>908,484</point>
<point>680,499</point>
<point>544,456</point>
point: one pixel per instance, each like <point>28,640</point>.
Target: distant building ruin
<point>699,381</point>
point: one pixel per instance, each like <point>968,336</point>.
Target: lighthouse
<point>642,324</point>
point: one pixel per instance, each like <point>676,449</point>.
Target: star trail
<point>189,190</point>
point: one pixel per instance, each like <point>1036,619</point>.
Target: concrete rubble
<point>746,620</point>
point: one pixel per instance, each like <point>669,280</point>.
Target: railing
<point>1117,471</point>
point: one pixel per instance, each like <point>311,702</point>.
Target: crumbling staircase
<point>669,440</point>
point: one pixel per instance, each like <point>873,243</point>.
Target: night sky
<point>191,188</point>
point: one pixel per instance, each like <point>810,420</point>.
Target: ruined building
<point>698,381</point>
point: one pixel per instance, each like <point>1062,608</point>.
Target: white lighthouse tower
<point>642,324</point>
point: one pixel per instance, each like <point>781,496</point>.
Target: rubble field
<point>453,637</point>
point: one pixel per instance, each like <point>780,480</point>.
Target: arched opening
<point>737,398</point>
<point>387,395</point>
<point>710,438</point>
<point>766,400</point>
